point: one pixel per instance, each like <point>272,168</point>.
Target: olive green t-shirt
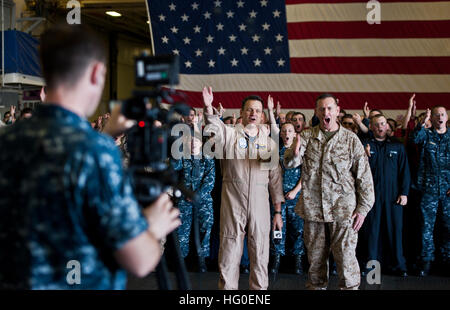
<point>329,134</point>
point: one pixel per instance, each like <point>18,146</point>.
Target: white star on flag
<point>221,51</point>
<point>267,51</point>
<point>253,14</point>
<point>176,52</point>
<point>184,17</point>
<point>172,7</point>
<point>255,38</point>
<point>244,51</point>
<point>207,15</point>
<point>234,62</point>
<point>240,4</point>
<point>211,63</point>
<point>219,26</point>
<point>198,52</point>
<point>265,26</point>
<point>217,3</point>
<point>209,39</point>
<point>197,29</point>
<point>194,6</point>
<point>257,62</point>
<point>279,37</point>
<point>165,39</point>
<point>263,2</point>
<point>276,13</point>
<point>232,38</point>
<point>174,29</point>
<point>188,64</point>
<point>230,14</point>
<point>280,62</point>
<point>187,40</point>
<point>162,18</point>
<point>242,27</point>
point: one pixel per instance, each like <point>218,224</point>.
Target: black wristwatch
<point>277,212</point>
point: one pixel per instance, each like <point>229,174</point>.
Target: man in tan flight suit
<point>337,194</point>
<point>247,176</point>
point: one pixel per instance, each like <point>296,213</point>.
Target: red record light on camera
<point>141,124</point>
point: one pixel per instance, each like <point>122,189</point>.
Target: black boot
<point>298,265</point>
<point>425,269</point>
<point>202,265</point>
<point>275,263</point>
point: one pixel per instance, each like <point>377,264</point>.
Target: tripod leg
<point>196,228</point>
<point>180,267</point>
<point>162,274</point>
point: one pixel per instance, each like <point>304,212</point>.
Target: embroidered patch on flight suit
<point>243,143</point>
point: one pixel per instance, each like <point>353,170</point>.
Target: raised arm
<point>358,121</point>
<point>409,112</point>
<point>213,122</point>
<point>208,100</point>
<point>273,122</point>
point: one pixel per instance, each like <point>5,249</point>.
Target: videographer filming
<point>63,194</point>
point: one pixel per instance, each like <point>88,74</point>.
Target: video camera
<point>149,144</point>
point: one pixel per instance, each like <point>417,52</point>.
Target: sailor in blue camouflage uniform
<point>292,223</point>
<point>433,180</point>
<point>198,175</point>
<point>68,217</point>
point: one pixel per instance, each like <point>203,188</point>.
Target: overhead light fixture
<point>113,14</point>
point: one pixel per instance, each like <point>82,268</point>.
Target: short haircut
<point>287,123</point>
<point>227,118</point>
<point>376,110</point>
<point>325,96</point>
<point>299,113</point>
<point>66,51</point>
<point>343,111</point>
<point>436,107</point>
<point>252,97</point>
<point>195,111</point>
<point>347,116</point>
<point>377,117</point>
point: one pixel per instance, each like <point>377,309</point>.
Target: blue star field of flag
<point>222,36</point>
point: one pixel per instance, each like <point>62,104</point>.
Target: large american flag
<point>297,49</point>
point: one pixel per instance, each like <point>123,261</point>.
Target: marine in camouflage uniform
<point>198,175</point>
<point>337,193</point>
<point>433,180</point>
